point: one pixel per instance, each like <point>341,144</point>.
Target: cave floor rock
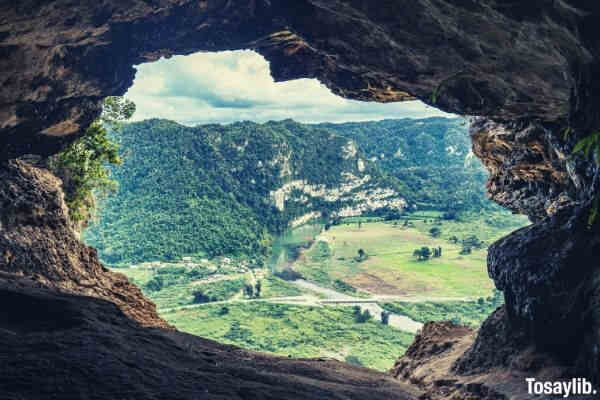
<point>449,361</point>
<point>55,345</point>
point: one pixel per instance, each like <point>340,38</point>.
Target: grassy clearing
<point>390,267</point>
<point>178,289</point>
<point>297,331</point>
<point>273,286</point>
<point>488,228</point>
<point>174,286</point>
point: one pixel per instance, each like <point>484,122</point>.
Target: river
<point>287,246</point>
<point>333,297</point>
<point>286,250</point>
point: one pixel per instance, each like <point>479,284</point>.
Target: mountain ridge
<point>225,189</point>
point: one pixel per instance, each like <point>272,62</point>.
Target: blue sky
<point>236,85</point>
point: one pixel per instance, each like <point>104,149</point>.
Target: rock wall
<point>547,271</point>
<point>63,346</point>
<point>38,242</point>
<point>59,59</point>
<point>447,361</point>
<point>363,196</point>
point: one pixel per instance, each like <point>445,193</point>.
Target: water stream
<point>286,250</point>
<point>287,247</point>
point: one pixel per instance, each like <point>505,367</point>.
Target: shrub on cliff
<point>83,166</point>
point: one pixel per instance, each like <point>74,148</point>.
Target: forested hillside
<point>431,158</point>
<point>225,189</point>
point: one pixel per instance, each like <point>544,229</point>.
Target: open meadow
<point>389,266</point>
<point>366,259</point>
<point>296,331</point>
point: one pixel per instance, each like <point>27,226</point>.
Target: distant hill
<point>225,189</point>
<point>430,157</point>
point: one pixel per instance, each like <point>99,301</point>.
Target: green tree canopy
<point>83,166</point>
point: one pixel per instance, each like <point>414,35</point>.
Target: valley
<point>313,312</point>
<point>324,240</point>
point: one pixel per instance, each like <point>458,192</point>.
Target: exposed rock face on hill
<point>225,189</point>
<point>531,66</point>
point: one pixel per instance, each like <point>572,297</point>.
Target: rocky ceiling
<point>506,60</point>
<point>527,68</point>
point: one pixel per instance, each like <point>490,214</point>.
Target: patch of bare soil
<point>373,284</point>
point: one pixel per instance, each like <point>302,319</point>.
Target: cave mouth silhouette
<point>195,79</point>
<point>530,68</point>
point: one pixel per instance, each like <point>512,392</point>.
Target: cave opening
<point>529,72</point>
<point>242,199</point>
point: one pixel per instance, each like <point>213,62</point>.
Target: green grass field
<point>296,331</point>
<point>391,268</point>
<point>273,286</point>
<point>180,291</point>
<point>332,261</point>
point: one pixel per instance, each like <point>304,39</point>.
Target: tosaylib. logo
<point>575,386</point>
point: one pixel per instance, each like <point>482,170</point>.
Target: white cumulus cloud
<point>237,85</point>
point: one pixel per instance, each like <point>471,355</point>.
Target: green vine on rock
<point>590,145</point>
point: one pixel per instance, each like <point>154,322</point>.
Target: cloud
<point>237,85</point>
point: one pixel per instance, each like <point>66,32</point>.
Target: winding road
<point>335,298</point>
<point>332,298</point>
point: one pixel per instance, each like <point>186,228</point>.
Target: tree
<point>465,250</point>
<point>417,254</point>
<point>366,316</point>
<point>288,274</point>
<point>435,232</point>
<point>257,288</point>
<point>224,310</point>
<point>473,241</point>
<point>200,297</point>
<point>83,166</point>
<point>422,254</point>
<point>116,110</point>
<point>425,253</point>
<point>361,317</point>
<point>361,255</point>
<point>385,317</point>
<point>155,284</point>
<point>450,214</point>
